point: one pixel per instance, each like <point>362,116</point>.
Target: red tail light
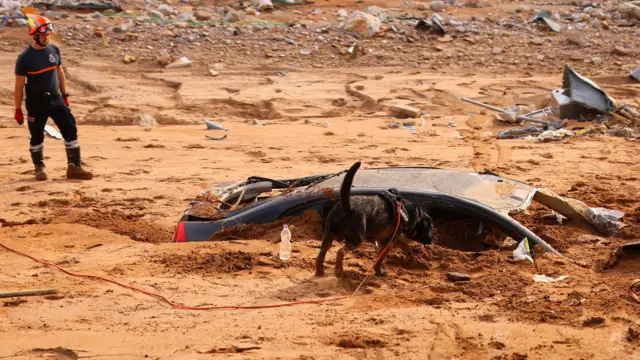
<point>179,235</point>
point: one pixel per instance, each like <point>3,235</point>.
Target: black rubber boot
<point>74,169</point>
<point>38,161</point>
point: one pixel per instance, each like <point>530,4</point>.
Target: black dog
<point>372,217</point>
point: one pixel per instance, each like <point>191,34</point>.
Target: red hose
<point>229,307</point>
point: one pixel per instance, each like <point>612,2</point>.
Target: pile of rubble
<point>579,99</point>
<point>299,33</point>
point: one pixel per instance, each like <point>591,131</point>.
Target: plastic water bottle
<point>285,243</point>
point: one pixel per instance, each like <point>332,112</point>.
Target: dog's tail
<point>345,190</point>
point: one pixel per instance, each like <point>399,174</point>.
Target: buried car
<point>484,199</point>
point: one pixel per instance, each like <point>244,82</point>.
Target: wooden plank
<point>27,293</point>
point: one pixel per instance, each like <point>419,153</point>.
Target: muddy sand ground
<point>119,225</point>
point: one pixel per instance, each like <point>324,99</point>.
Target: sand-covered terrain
<point>291,115</point>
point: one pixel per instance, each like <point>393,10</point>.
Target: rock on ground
<point>437,6</point>
<point>362,23</point>
<point>629,10</point>
<point>232,16</point>
<point>406,110</point>
<point>475,3</point>
<point>202,15</point>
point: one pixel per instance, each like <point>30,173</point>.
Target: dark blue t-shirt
<point>40,67</point>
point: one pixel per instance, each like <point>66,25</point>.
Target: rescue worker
<point>40,66</point>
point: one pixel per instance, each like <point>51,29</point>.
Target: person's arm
<point>63,80</point>
<point>19,91</point>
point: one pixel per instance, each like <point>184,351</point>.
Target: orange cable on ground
<point>229,307</point>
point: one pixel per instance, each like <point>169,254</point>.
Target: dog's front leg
<point>378,265</point>
<point>339,259</point>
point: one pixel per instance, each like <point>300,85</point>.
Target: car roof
<point>487,188</point>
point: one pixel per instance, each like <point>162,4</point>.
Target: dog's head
<point>419,225</point>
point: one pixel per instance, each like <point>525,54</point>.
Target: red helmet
<point>39,24</point>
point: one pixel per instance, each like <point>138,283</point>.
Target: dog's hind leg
<point>352,240</point>
<point>327,240</point>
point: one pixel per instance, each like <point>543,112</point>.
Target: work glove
<point>66,99</point>
<point>19,116</point>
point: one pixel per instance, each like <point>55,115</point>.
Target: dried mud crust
<point>120,223</point>
<point>208,263</point>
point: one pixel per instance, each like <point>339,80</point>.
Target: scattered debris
<point>508,116</point>
<point>545,16</point>
<point>580,98</point>
<point>548,279</point>
<point>433,25</point>
<point>21,293</point>
<point>213,126</point>
<point>51,131</point>
<point>213,72</point>
<point>216,138</point>
<point>456,276</point>
<point>630,250</point>
<point>635,74</point>
<point>518,133</point>
<point>522,252</point>
<point>555,135</point>
<point>180,63</point>
<point>576,210</point>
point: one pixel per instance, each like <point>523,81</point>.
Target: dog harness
<point>395,199</point>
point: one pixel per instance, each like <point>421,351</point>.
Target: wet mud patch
<point>120,223</point>
<point>201,263</point>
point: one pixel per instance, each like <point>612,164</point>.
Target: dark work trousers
<point>41,106</point>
